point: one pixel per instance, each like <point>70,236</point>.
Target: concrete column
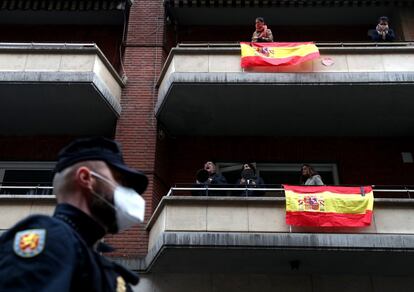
<point>407,24</point>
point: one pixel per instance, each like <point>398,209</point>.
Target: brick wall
<point>137,126</point>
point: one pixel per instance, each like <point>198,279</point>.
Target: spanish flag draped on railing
<point>276,54</point>
<point>329,206</point>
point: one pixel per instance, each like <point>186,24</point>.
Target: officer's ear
<point>83,177</point>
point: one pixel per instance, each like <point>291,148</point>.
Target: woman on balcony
<point>249,179</point>
<point>309,176</point>
<point>262,33</point>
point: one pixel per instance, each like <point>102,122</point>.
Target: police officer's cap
<point>100,148</point>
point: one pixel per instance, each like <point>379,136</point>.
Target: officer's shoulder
<point>39,220</point>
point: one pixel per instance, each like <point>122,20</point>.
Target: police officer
<point>96,194</point>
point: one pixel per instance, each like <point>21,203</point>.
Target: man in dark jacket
<point>214,178</point>
<point>96,194</point>
<point>208,177</point>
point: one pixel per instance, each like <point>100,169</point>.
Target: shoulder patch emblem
<point>29,243</point>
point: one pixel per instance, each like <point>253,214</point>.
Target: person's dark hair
<point>383,18</point>
<point>261,19</point>
<point>312,172</point>
<point>251,165</point>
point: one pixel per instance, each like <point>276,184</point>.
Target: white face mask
<point>128,204</point>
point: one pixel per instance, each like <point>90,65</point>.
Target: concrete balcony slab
<point>250,239</point>
<point>57,89</point>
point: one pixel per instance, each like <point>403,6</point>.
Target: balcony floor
<point>276,253</point>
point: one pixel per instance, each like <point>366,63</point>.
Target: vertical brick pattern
<point>137,126</point>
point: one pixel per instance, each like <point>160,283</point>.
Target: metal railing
<point>380,191</point>
<point>29,189</point>
<point>218,44</point>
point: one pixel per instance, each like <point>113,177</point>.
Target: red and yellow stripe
<point>329,206</point>
<point>277,54</point>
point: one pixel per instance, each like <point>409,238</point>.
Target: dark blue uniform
<point>42,253</point>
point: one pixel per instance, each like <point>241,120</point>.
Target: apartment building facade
<point>164,79</point>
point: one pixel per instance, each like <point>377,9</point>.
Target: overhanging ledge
<point>44,86</point>
<point>221,252</point>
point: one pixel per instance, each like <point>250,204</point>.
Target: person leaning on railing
<point>262,33</point>
<point>382,32</point>
<point>208,177</point>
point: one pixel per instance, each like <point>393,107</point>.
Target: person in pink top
<point>262,33</point>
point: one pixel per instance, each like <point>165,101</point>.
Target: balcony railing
<point>318,44</point>
<point>26,191</point>
<point>379,191</point>
<point>33,190</point>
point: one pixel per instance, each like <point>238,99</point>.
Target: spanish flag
<point>329,206</point>
<point>277,54</point>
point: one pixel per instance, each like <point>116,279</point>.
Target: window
<point>280,173</point>
<point>26,178</point>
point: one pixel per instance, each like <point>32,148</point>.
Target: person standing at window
<point>310,177</point>
<point>262,33</point>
